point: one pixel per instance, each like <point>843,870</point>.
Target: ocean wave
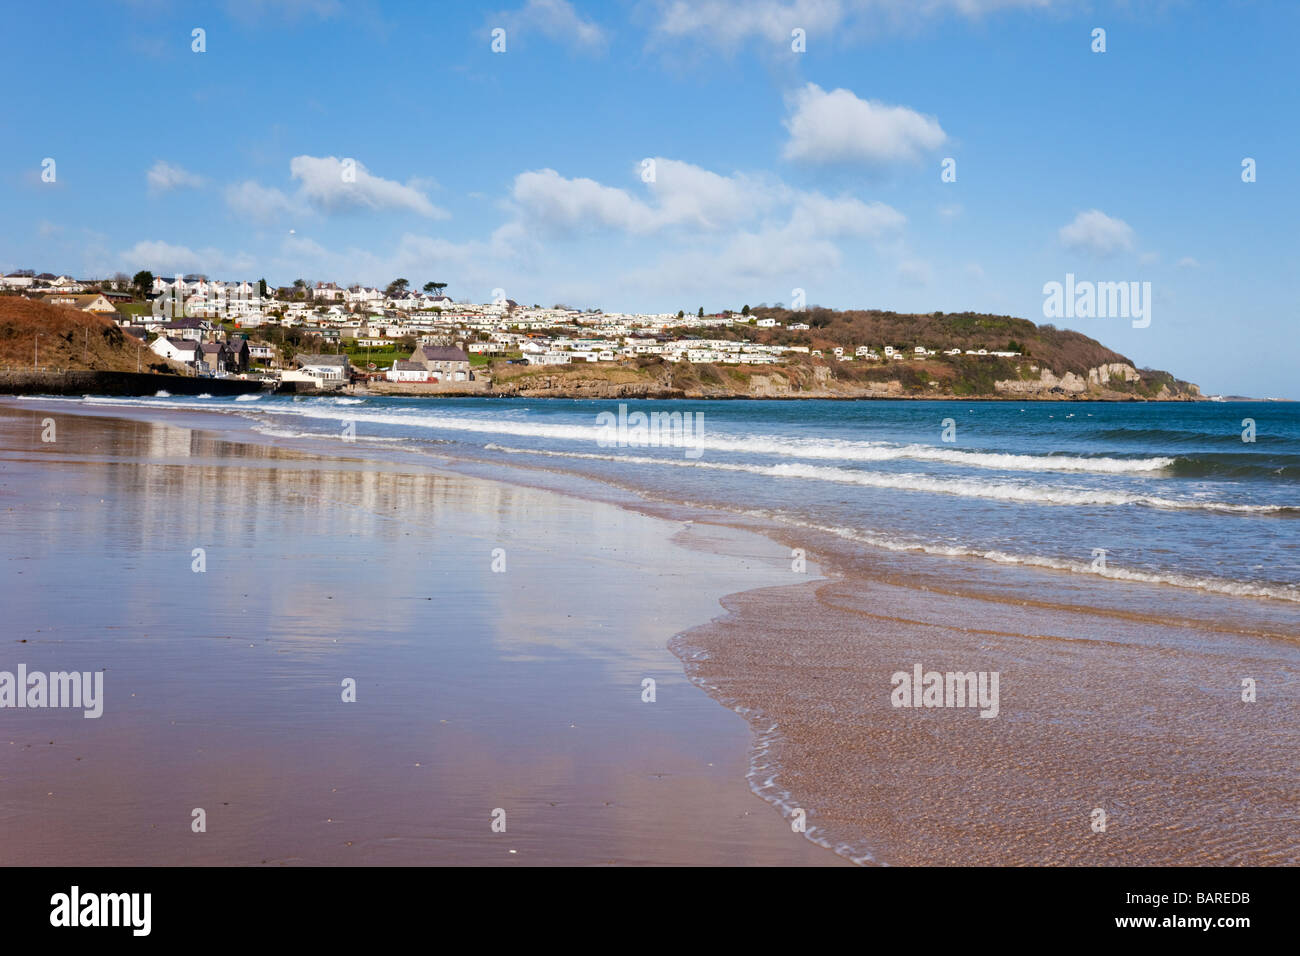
<point>1238,466</point>
<point>249,398</point>
<point>1229,434</point>
<point>960,487</point>
<point>1111,571</point>
<point>835,449</point>
<point>262,428</point>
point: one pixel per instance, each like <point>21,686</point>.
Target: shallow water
<point>1159,493</point>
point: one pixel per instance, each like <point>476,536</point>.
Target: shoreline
<point>535,395</point>
<point>675,808</point>
<point>1088,723</point>
<point>730,657</point>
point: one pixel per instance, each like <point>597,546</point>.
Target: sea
<point>1186,498</point>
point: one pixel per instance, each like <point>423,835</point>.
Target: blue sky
<point>773,169</point>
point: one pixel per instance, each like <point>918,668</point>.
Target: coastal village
<point>325,336</point>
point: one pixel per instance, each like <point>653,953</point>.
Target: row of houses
<point>186,307</point>
<point>427,363</point>
<point>218,359</point>
<point>28,281</point>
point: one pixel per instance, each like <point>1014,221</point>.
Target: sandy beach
<point>477,690</point>
<point>1146,723</point>
<point>521,689</point>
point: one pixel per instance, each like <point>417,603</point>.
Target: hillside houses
<point>213,325</point>
<point>447,363</point>
<point>86,302</point>
<point>178,350</point>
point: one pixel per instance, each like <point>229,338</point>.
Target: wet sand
<point>521,690</point>
<point>1141,721</point>
<point>476,690</point>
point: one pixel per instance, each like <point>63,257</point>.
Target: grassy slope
<point>69,339</point>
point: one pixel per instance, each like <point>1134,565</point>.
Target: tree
<point>745,310</point>
<point>261,288</point>
<point>143,282</point>
<point>396,288</point>
<point>681,314</point>
<point>435,287</point>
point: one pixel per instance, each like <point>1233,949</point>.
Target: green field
<point>382,358</point>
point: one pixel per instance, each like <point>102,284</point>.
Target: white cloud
<point>727,24</point>
<point>163,258</point>
<point>685,195</point>
<point>1187,262</point>
<point>838,127</point>
<point>259,203</point>
<point>164,177</point>
<point>1097,233</point>
<point>556,20</point>
<point>327,185</point>
<point>681,195</point>
<point>558,204</point>
<point>331,184</point>
<point>819,216</point>
<point>691,195</point>
<point>691,229</point>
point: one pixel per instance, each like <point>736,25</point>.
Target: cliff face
<point>991,356</point>
<point>1070,384</point>
<point>1114,381</point>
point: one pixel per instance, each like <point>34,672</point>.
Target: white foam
<point>1026,493</point>
<point>1217,585</point>
<point>835,449</point>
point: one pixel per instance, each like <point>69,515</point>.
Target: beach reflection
<point>475,689</point>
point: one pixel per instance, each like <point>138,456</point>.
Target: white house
<point>180,350</point>
<point>405,371</point>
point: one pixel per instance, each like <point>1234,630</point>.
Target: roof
<point>303,359</point>
<point>81,298</point>
<point>442,353</point>
<point>402,365</point>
